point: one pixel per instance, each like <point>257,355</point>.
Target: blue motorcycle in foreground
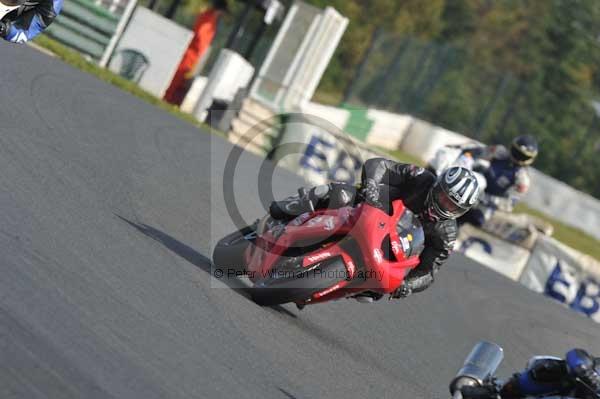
<point>575,377</point>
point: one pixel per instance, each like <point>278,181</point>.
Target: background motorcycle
<point>325,254</point>
<point>489,205</point>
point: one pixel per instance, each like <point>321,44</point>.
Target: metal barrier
<point>300,53</point>
<point>85,27</point>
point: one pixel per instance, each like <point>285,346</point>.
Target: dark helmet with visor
<point>524,150</point>
<point>454,193</point>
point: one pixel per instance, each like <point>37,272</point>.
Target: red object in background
<point>204,33</point>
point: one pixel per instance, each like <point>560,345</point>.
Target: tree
<point>516,67</point>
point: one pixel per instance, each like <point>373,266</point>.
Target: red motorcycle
<point>324,255</point>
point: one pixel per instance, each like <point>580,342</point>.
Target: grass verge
<point>571,236</point>
<point>75,59</point>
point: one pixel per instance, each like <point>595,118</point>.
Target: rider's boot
<point>368,297</point>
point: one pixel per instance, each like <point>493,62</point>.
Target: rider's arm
<point>404,177</point>
<point>392,173</point>
<point>438,245</point>
<point>32,22</point>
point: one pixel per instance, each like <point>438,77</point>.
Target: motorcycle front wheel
<point>283,287</point>
<point>229,251</point>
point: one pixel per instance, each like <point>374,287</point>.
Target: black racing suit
<point>393,181</point>
<point>29,20</point>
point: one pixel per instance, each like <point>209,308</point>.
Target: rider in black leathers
<point>438,202</point>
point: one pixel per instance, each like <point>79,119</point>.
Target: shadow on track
<point>283,311</point>
<point>197,259</point>
<point>188,253</point>
<point>286,393</point>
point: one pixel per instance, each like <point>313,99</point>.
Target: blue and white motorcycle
<point>544,377</point>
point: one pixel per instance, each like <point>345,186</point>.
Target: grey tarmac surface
<point>109,208</point>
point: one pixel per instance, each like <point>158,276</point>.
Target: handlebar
<point>303,195</point>
<point>588,388</point>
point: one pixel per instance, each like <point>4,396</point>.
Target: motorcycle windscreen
<point>410,233</point>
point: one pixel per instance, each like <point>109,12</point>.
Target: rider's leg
<point>332,196</point>
<point>342,194</point>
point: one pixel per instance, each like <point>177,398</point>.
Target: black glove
<point>4,28</point>
<point>403,291</point>
<point>415,281</point>
<point>370,192</point>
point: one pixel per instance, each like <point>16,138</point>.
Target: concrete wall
<point>388,129</point>
<point>161,40</point>
<point>334,115</point>
<point>423,139</point>
<point>564,203</point>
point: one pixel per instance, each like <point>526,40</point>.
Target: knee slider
<point>320,192</point>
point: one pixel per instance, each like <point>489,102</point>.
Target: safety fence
<point>85,27</point>
<point>540,263</point>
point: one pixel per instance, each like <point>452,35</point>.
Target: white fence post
<point>118,33</point>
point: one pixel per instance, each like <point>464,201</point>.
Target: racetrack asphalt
<point>109,209</point>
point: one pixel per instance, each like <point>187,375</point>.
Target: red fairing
<point>356,235</point>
